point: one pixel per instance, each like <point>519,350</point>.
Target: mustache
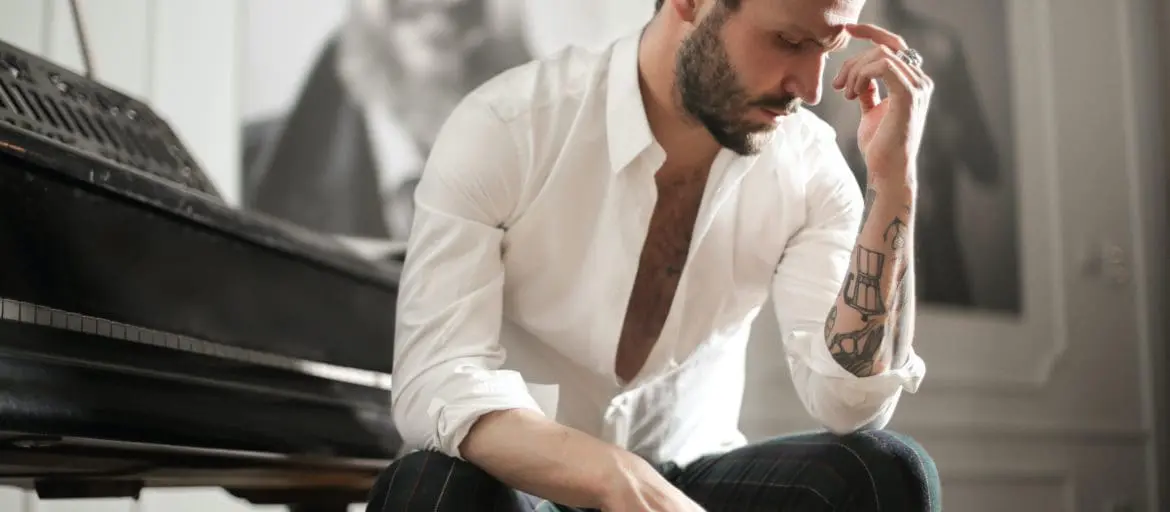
<point>787,103</point>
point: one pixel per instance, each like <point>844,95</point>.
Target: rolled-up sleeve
<point>447,356</point>
<point>805,287</point>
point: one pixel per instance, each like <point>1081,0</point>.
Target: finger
<point>910,77</point>
<point>897,83</point>
<point>861,82</point>
<point>848,80</point>
<point>843,74</point>
<point>868,96</point>
<point>917,75</point>
<point>877,34</point>
<point>856,84</point>
<point>914,77</point>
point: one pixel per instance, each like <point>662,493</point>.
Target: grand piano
<point>153,336</point>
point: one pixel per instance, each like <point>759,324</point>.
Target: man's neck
<point>686,142</point>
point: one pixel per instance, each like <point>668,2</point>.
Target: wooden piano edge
<point>68,468</point>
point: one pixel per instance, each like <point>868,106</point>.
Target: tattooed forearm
<point>857,351</point>
<point>875,297</point>
<point>863,283</point>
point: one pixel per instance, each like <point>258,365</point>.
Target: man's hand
<point>637,487</point>
<point>534,454</point>
<point>890,132</point>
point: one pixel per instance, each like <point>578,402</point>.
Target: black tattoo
<point>863,290</point>
<point>831,321</point>
<point>870,196</point>
<point>857,351</point>
<point>896,234</point>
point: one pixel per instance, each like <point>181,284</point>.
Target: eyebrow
<point>829,43</point>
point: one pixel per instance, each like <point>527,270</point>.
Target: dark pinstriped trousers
<point>867,471</point>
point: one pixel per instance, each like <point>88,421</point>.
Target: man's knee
<point>898,467</point>
<point>432,481</point>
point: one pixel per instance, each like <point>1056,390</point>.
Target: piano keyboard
<point>28,313</point>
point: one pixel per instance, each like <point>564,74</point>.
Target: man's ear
<point>687,10</point>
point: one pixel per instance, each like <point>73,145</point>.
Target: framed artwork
<point>969,255</point>
<point>342,100</point>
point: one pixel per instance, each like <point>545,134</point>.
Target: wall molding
<point>1008,477</point>
<point>1055,434</point>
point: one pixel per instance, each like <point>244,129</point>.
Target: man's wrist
<point>623,471</point>
<point>901,183</point>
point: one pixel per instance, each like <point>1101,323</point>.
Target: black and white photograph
<point>342,100</point>
<point>969,258</point>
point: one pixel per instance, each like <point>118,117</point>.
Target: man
<point>594,235</point>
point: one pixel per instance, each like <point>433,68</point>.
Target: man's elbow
<point>437,412</point>
<point>411,420</point>
<point>433,417</point>
<point>844,417</point>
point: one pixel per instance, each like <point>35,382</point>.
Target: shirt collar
<point>627,128</point>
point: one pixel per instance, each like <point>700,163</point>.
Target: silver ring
<point>910,56</point>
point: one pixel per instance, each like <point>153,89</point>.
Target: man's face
<point>740,69</point>
<point>430,43</point>
<point>426,34</point>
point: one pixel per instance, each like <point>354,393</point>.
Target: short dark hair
<point>731,4</point>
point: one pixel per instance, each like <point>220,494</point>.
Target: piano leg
<point>319,507</point>
<point>303,500</point>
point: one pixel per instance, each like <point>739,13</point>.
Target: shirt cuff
<point>478,392</point>
<point>813,350</point>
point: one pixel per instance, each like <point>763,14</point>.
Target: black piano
<point>153,336</point>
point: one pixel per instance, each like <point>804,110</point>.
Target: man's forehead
<point>841,12</point>
<point>431,4</point>
<point>818,13</point>
<point>821,20</point>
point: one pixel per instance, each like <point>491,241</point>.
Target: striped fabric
<point>866,471</point>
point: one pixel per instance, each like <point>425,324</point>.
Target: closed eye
<point>793,45</point>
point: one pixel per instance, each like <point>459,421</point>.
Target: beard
<point>710,91</point>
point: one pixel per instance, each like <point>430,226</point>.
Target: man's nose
<point>807,79</point>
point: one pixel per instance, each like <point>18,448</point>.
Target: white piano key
<point>10,310</point>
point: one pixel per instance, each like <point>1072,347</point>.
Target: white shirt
<point>527,234</point>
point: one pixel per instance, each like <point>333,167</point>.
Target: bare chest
<point>660,266</point>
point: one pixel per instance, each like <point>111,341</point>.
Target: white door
<point>1043,407</point>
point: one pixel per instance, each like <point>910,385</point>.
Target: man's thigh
<point>433,482</point>
<point>865,471</point>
